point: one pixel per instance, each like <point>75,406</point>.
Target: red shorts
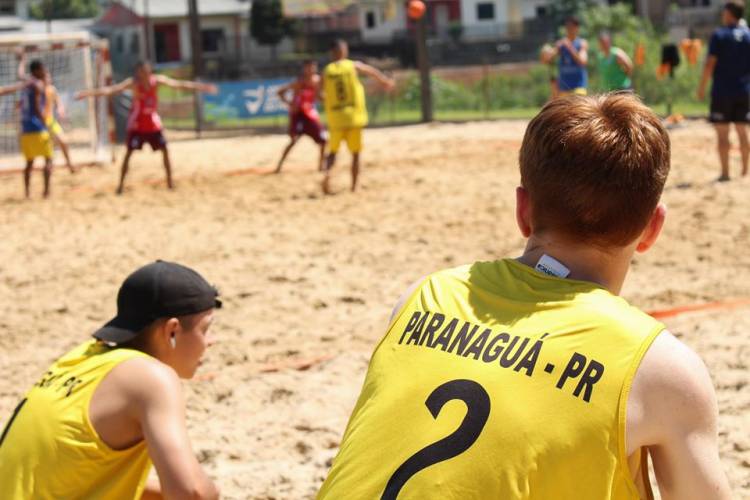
<point>136,140</point>
<point>300,123</point>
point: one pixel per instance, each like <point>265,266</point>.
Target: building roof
<point>179,8</point>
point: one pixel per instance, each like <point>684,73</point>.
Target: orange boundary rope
<point>708,306</point>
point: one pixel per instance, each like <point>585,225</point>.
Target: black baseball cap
<point>158,290</point>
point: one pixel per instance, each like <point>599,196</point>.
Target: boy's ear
<point>653,229</point>
<point>523,211</point>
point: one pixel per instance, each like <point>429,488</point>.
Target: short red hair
<point>595,167</point>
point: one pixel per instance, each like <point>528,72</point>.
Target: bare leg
<point>47,175</point>
<point>322,160</point>
<point>168,168</point>
<point>27,178</point>
<point>124,171</point>
<point>722,134</point>
<point>355,171</point>
<point>327,175</point>
<point>744,145</point>
<point>63,145</point>
<point>285,154</point>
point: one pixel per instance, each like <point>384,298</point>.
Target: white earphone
<point>173,341</point>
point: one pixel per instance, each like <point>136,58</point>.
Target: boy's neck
<point>586,263</point>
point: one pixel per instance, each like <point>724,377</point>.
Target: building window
<point>370,20</point>
<point>485,11</point>
<point>541,11</point>
<point>120,44</point>
<point>8,7</point>
<point>212,40</point>
<point>135,44</point>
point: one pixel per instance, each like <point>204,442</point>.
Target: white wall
<point>384,29</point>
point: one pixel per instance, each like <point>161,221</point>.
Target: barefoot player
<point>345,106</point>
<point>530,377</point>
<point>144,123</point>
<point>35,138</point>
<point>98,418</point>
<point>728,65</point>
<point>303,115</point>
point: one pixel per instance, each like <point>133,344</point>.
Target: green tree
<point>267,23</point>
<point>64,9</point>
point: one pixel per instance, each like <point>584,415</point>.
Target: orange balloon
<point>416,9</point>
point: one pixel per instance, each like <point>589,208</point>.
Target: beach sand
<point>311,280</point>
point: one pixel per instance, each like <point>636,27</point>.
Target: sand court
<point>309,281</point>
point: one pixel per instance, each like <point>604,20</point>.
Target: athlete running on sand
<point>530,377</point>
<point>346,110</point>
<point>303,115</point>
<point>94,423</point>
<point>144,123</point>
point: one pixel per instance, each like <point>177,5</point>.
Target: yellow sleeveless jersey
<point>344,96</point>
<point>495,381</point>
<point>49,449</point>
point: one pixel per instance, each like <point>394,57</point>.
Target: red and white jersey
<point>143,115</point>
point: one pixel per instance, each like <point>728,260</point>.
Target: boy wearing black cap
<point>103,413</point>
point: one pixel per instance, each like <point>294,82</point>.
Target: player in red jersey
<point>303,115</point>
<point>144,123</point>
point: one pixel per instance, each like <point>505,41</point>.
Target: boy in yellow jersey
<point>94,423</point>
<point>530,378</point>
<point>346,110</point>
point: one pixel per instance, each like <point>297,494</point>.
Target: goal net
<point>75,61</point>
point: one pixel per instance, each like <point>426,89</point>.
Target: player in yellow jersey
<point>94,423</point>
<point>345,106</point>
<point>530,378</point>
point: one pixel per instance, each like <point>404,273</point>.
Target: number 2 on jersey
<point>477,412</point>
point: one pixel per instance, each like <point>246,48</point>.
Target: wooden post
<point>197,58</point>
<point>423,63</point>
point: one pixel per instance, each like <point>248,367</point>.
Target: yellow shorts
<point>54,126</point>
<point>34,144</point>
<point>352,137</point>
<point>576,91</point>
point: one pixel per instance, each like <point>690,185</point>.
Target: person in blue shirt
<point>572,54</point>
<point>728,65</point>
<point>35,138</point>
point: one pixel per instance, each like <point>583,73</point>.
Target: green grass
<point>386,116</point>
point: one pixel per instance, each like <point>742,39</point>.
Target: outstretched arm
<point>10,89</point>
<point>672,411</point>
<point>365,69</point>
<point>186,85</point>
<point>106,91</point>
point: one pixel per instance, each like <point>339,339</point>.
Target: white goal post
<point>75,61</point>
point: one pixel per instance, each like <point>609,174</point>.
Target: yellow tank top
<point>50,450</point>
<point>495,381</point>
<point>344,96</point>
